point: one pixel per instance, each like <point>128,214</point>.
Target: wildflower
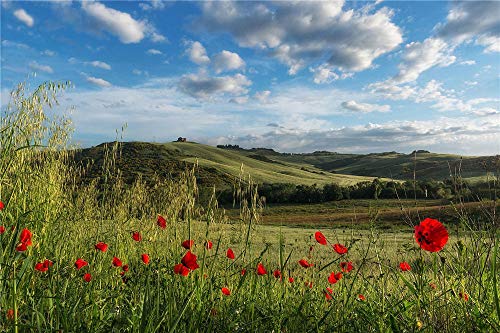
<point>208,245</point>
<point>79,263</point>
<point>404,266</point>
<point>101,246</point>
<point>334,277</point>
<point>10,314</point>
<point>117,262</point>
<point>291,279</point>
<point>136,236</point>
<point>464,296</point>
<point>181,269</point>
<point>361,297</point>
<point>243,272</point>
<point>24,240</point>
<point>432,285</point>
<point>328,293</point>
<point>161,222</point>
<point>305,264</point>
<point>277,274</point>
<point>339,248</point>
<point>43,266</point>
<point>125,268</point>
<point>2,206</point>
<point>2,229</point>
<point>226,291</point>
<point>346,266</point>
<point>320,238</point>
<point>188,244</point>
<point>431,235</point>
<point>230,253</point>
<point>189,260</point>
<point>261,270</point>
<point>87,277</point>
<point>145,258</point>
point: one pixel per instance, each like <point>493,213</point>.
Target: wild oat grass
<point>453,290</point>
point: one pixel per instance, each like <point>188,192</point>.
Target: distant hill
<point>221,166</point>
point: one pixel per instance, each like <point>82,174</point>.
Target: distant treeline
<point>376,189</point>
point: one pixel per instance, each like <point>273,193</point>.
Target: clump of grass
<point>455,289</point>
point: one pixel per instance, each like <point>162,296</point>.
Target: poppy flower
<point>320,238</point>
<point>339,248</point>
<point>87,277</point>
<point>464,296</point>
<point>2,229</point>
<point>79,263</point>
<point>189,260</point>
<point>24,240</point>
<point>328,293</point>
<point>188,244</point>
<point>230,253</point>
<point>208,245</point>
<point>2,206</point>
<point>136,236</point>
<point>361,297</point>
<point>125,268</point>
<point>432,285</point>
<point>291,279</point>
<point>431,235</point>
<point>243,272</point>
<point>334,277</point>
<point>117,262</point>
<point>181,269</point>
<point>10,314</point>
<point>43,266</point>
<point>145,258</point>
<point>404,266</point>
<point>101,246</point>
<point>346,266</point>
<point>161,222</point>
<point>261,270</point>
<point>226,291</point>
<point>277,274</point>
<point>305,264</point>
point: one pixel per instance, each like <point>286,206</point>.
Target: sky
<point>353,77</point>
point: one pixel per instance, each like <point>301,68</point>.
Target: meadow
<point>105,256</point>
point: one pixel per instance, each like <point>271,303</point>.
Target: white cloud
<point>197,53</point>
<point>152,5</point>
<point>98,81</point>
<point>139,72</point>
<point>471,83</point>
<point>158,38</point>
<point>324,74</point>
<point>262,96</point>
<point>491,43</point>
<point>227,61</point>
<point>99,64</point>
<point>8,43</point>
<point>365,107</point>
<point>118,23</point>
<point>468,62</point>
<point>48,53</point>
<point>154,52</point>
<point>205,87</point>
<point>43,68</point>
<point>24,17</point>
<point>299,33</point>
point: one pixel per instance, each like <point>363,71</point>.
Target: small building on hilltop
<point>181,139</point>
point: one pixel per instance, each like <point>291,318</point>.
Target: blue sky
<point>293,76</point>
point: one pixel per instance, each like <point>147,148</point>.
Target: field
<point>105,256</point>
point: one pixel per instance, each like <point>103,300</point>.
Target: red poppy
<point>101,246</point>
<point>136,236</point>
<point>405,266</point>
<point>230,253</point>
<point>43,266</point>
<point>320,238</point>
<point>87,277</point>
<point>161,222</point>
<point>208,245</point>
<point>291,279</point>
<point>2,206</point>
<point>346,266</point>
<point>10,314</point>
<point>431,235</point>
<point>334,277</point>
<point>145,258</point>
<point>339,248</point>
<point>24,240</point>
<point>305,264</point>
<point>361,297</point>
<point>189,260</point>
<point>181,269</point>
<point>261,270</point>
<point>328,293</point>
<point>125,268</point>
<point>2,229</point>
<point>117,262</point>
<point>277,274</point>
<point>243,271</point>
<point>79,263</point>
<point>188,244</point>
<point>226,291</point>
<point>432,285</point>
<point>464,296</point>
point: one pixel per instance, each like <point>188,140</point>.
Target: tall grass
<point>42,191</point>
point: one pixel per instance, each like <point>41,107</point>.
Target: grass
<point>41,192</point>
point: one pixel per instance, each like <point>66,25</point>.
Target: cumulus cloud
<point>154,52</point>
<point>227,61</point>
<point>43,68</point>
<point>158,38</point>
<point>98,64</point>
<point>299,33</point>
<point>205,87</point>
<point>262,96</point>
<point>117,23</point>
<point>24,17</point>
<point>98,81</point>
<point>468,62</point>
<point>197,53</point>
<point>324,74</point>
<point>365,107</point>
